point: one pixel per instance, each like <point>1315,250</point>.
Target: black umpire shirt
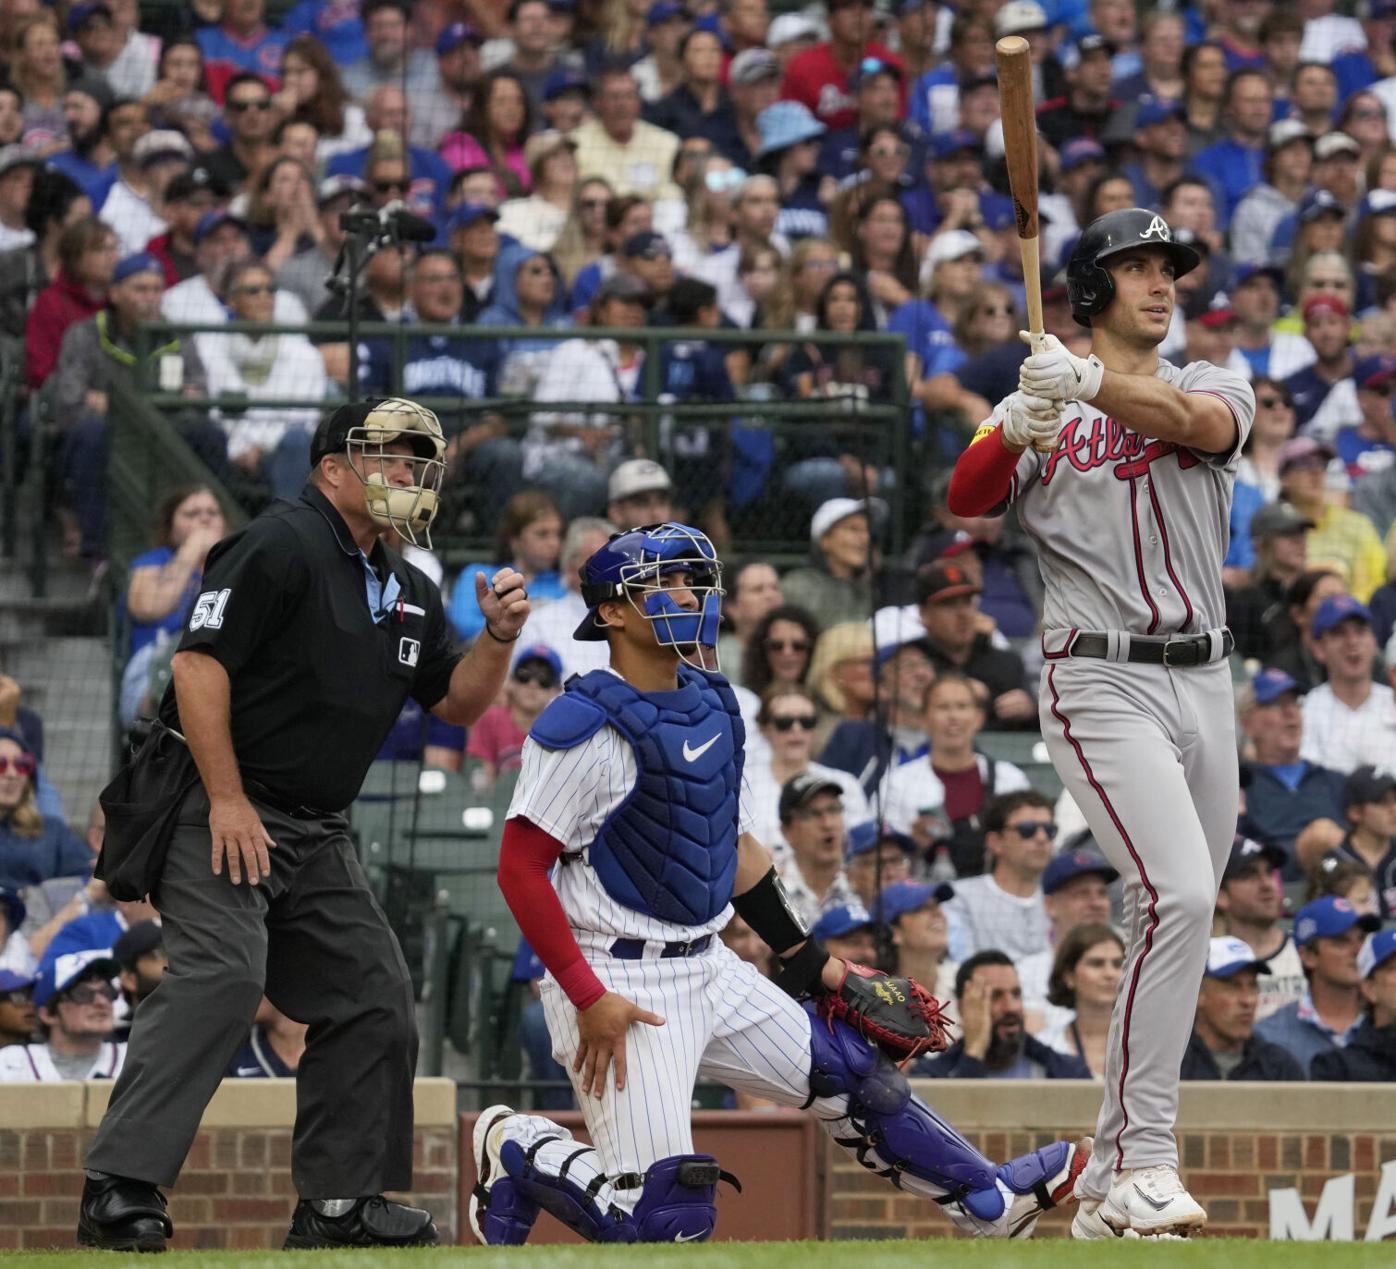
<point>316,682</point>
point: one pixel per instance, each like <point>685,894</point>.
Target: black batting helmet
<point>1089,286</point>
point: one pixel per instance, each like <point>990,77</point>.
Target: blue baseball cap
<point>1270,684</point>
<point>1376,951</point>
<point>1071,864</point>
<point>1081,150</point>
<point>13,980</point>
<point>81,14</point>
<point>455,35</point>
<point>540,652</point>
<point>665,11</point>
<point>1337,609</point>
<point>1320,202</point>
<point>906,896</point>
<point>216,219</point>
<point>565,80</point>
<point>468,214</point>
<point>998,213</point>
<point>841,921</point>
<point>15,911</point>
<point>1371,372</point>
<point>784,124</point>
<point>1329,917</point>
<point>141,262</point>
<point>1157,111</point>
<point>1227,957</point>
<point>863,837</point>
<point>956,141</point>
<point>1243,273</point>
<point>57,975</point>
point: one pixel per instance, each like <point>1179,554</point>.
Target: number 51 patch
<point>208,609</point>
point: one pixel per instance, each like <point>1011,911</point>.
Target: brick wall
<point>1238,1143</point>
<point>235,1191</point>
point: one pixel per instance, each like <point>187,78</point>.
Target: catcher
<point>630,796</point>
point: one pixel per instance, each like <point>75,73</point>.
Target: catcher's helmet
<point>1089,286</point>
<point>630,566</point>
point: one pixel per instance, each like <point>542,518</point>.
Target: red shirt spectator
<point>87,254</point>
<point>818,77</point>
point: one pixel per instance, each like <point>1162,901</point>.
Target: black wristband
<point>497,639</point>
<point>766,908</point>
<point>800,975</point>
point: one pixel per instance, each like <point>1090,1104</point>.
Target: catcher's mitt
<point>897,1014</point>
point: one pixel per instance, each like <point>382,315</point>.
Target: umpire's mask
<point>407,508</point>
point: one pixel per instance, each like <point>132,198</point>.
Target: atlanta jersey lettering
<point>1131,531</point>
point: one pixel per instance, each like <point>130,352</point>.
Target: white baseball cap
<point>637,476</point>
<point>1331,143</point>
<point>829,513</point>
<point>1229,956</point>
<point>954,244</point>
<point>788,28</point>
<point>1018,16</point>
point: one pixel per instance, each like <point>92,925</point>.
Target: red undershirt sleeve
<point>526,856</point>
<point>982,475</point>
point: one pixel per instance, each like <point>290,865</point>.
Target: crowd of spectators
<point>708,165</point>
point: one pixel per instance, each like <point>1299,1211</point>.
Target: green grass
<point>1230,1253</point>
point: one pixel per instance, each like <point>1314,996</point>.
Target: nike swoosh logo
<point>1152,1202</point>
<point>688,1238</point>
<point>249,1070</point>
<point>692,755</point>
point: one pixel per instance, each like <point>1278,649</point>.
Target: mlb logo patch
<point>408,650</point>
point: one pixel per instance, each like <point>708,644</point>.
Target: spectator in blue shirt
<point>1361,68</point>
<point>242,42</point>
<point>995,1044</point>
<point>1160,138</point>
<point>33,846</point>
<point>877,99</point>
<point>337,25</point>
<point>89,160</point>
<point>428,174</point>
<point>1232,165</point>
<point>1370,446</point>
<point>1286,794</point>
<point>528,291</point>
<point>1328,933</point>
<point>1370,1054</point>
<point>790,136</point>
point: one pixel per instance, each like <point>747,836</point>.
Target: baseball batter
<point>1129,513</point>
<point>631,795</point>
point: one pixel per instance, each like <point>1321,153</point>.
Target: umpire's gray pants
<point>313,937</point>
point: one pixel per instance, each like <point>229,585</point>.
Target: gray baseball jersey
<point>1131,531</point>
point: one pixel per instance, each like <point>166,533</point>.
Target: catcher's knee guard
<point>899,1132</point>
<point>678,1204</point>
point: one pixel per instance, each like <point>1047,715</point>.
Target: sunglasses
<point>787,645</point>
<point>19,997</point>
<point>23,764</point>
<point>541,677</point>
<point>242,107</point>
<point>1028,831</point>
<point>257,288</point>
<point>594,204</point>
<point>1270,403</point>
<point>86,993</point>
<point>889,151</point>
<point>1381,389</point>
<point>788,722</point>
<point>387,187</point>
<point>995,312</point>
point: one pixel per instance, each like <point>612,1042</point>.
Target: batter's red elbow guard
<point>982,475</point>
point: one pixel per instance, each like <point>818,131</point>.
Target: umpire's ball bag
<point>141,805</point>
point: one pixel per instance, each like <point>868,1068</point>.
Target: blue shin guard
<point>577,1206</point>
<point>678,1203</point>
<point>898,1134</point>
<point>1030,1173</point>
<point>508,1220</point>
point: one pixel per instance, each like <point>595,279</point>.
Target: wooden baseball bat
<point>1020,154</point>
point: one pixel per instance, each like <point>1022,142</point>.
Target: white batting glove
<point>1057,374</point>
<point>1031,420</point>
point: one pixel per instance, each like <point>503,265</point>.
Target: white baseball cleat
<point>1142,1203</point>
<point>486,1142</point>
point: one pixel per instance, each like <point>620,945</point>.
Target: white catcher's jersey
<point>1131,531</point>
<point>568,793</point>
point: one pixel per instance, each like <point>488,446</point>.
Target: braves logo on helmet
<point>1089,286</point>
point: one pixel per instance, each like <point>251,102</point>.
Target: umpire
<point>306,642</point>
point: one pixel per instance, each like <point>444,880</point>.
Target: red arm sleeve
<point>526,855</point>
<point>980,481</point>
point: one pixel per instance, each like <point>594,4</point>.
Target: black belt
<point>259,792</point>
<point>634,949</point>
<point>1174,651</point>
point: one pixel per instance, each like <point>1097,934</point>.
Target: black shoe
<point>371,1222</point>
<point>119,1214</point>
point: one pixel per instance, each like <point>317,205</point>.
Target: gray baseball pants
<point>1149,754</point>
